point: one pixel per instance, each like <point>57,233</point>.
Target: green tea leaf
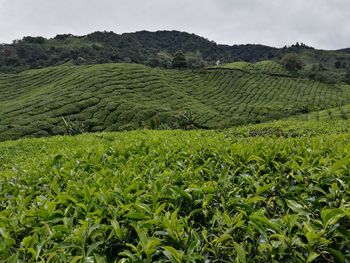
<point>312,256</point>
<point>241,254</point>
<point>173,254</point>
<point>296,207</point>
<point>338,254</point>
<point>76,259</point>
<point>331,216</point>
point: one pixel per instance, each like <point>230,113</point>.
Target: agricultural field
<point>117,97</point>
<point>337,113</point>
<point>266,66</point>
<point>271,192</point>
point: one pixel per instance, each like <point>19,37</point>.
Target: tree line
<point>156,49</point>
<point>166,49</point>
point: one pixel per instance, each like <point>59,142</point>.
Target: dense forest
<point>149,48</point>
<point>154,49</point>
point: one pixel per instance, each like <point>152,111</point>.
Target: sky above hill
<point>319,23</point>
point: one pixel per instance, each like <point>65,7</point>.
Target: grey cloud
<point>320,23</point>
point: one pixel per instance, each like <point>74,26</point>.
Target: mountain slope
<point>128,96</point>
<point>268,67</point>
<point>331,114</point>
<point>150,48</point>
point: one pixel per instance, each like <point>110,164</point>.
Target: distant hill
<point>112,97</point>
<point>148,48</point>
<point>154,49</point>
<point>345,50</point>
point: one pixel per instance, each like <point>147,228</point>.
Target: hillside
<point>267,67</point>
<point>334,113</point>
<point>114,97</point>
<point>154,49</point>
<point>148,48</point>
<point>249,194</point>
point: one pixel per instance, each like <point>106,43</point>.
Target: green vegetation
<point>292,62</point>
<point>267,66</point>
<point>336,113</point>
<point>274,192</point>
<point>268,192</point>
<point>115,97</point>
<point>319,73</point>
<point>179,60</point>
<point>347,76</point>
<point>155,49</point>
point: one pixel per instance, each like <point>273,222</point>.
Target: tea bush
<point>249,194</point>
<point>109,96</point>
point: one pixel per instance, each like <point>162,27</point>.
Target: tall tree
<point>195,60</point>
<point>292,62</point>
<point>179,60</point>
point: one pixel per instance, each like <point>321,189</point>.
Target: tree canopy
<point>179,60</point>
<point>292,62</point>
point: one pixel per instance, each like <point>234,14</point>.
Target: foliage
<point>347,76</point>
<point>149,48</point>
<point>266,67</point>
<point>73,128</point>
<point>161,59</point>
<point>186,120</point>
<point>292,62</point>
<point>319,73</point>
<point>179,60</point>
<point>116,97</point>
<point>195,60</point>
<point>331,114</point>
<point>179,196</point>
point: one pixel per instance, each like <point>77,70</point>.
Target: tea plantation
<point>116,97</point>
<point>337,113</point>
<point>267,67</point>
<point>272,192</point>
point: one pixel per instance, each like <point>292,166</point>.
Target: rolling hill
<point>114,97</point>
<point>154,49</point>
<point>149,48</point>
<point>334,113</point>
<point>266,66</point>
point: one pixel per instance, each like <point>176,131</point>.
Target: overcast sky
<point>319,23</point>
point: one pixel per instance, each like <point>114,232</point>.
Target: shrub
<point>73,128</point>
<point>186,120</point>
